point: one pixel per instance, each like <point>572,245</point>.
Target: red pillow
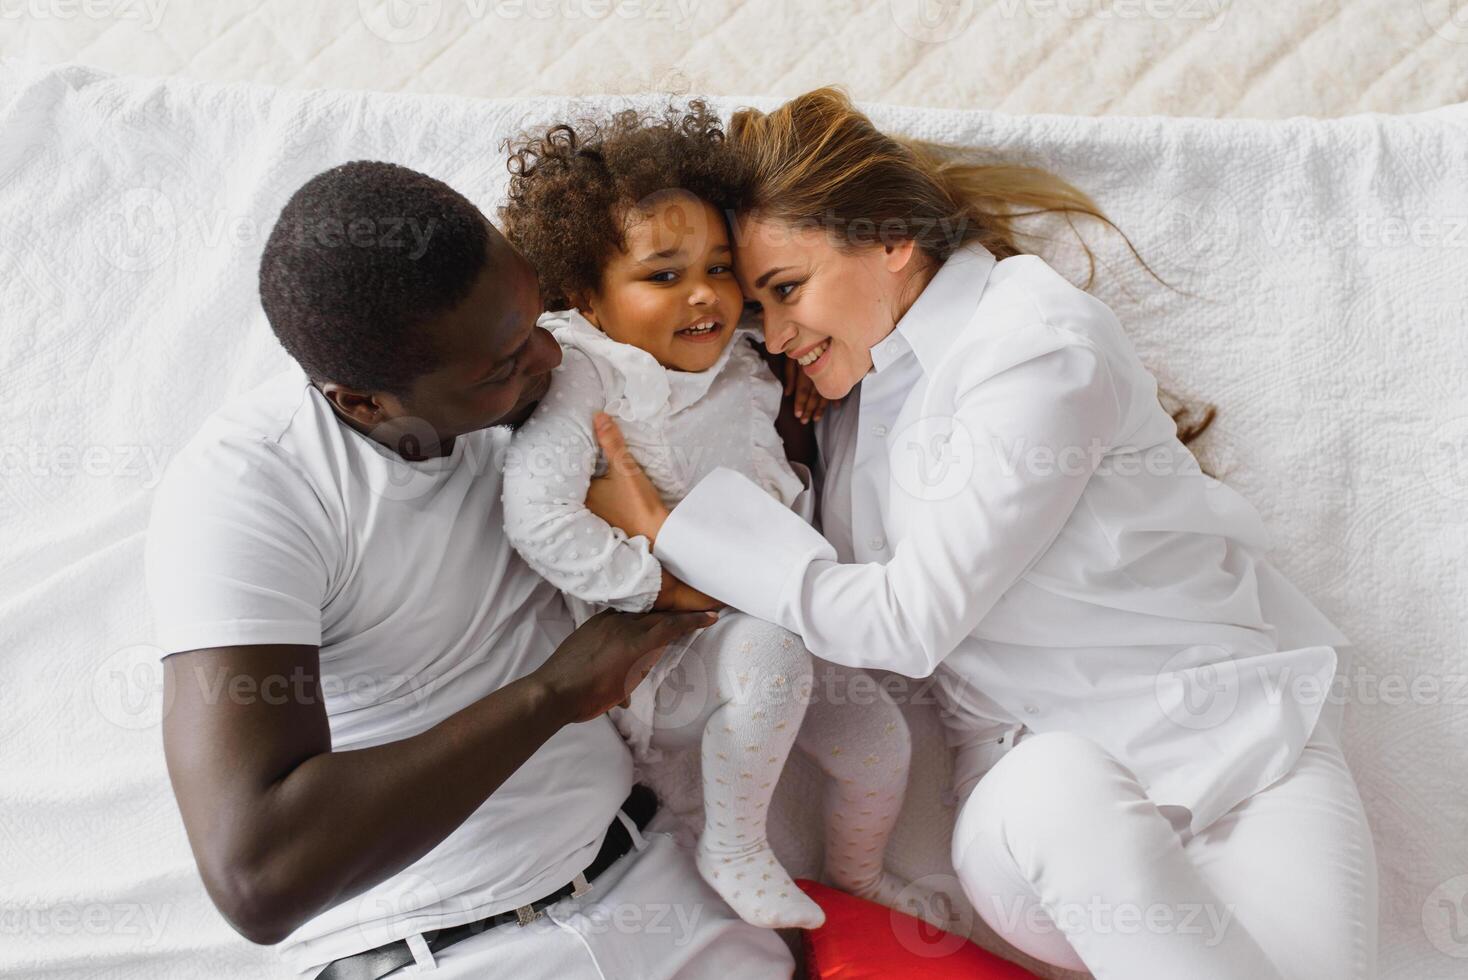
<point>862,940</point>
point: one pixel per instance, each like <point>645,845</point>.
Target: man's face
<point>496,362</point>
<point>495,365</point>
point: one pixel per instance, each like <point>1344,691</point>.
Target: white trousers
<point>648,917</point>
<point>1062,853</point>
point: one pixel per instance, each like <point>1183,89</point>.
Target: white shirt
<point>679,425</point>
<point>1017,515</point>
<point>280,524</point>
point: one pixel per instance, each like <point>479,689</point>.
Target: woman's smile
<point>813,358</point>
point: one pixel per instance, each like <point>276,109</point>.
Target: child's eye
<point>719,270</point>
<point>658,276</point>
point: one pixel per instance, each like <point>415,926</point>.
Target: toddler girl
<point>616,219</point>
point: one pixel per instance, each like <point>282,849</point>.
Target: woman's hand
<point>625,497</point>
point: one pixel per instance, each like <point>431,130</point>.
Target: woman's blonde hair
<point>818,160</point>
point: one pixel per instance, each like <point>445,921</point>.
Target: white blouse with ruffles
<point>680,426</point>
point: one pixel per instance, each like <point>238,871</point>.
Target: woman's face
<point>671,291</point>
<point>822,307</point>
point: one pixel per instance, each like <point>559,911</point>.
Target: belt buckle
<point>527,914</point>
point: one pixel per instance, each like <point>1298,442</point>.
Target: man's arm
<point>283,828</point>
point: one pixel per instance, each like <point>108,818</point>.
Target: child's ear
<point>587,308</point>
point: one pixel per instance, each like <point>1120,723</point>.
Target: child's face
<point>671,291</point>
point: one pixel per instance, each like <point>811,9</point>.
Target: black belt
<point>640,806</point>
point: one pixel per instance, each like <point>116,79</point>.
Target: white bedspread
<point>1249,58</point>
<point>1326,262</point>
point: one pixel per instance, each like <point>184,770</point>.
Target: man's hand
<point>625,497</point>
<point>597,666</point>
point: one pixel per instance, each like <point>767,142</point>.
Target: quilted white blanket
<point>1322,267</point>
<point>1248,58</point>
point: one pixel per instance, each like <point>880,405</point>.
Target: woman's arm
<point>1030,437</point>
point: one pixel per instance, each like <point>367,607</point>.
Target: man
<point>387,743</point>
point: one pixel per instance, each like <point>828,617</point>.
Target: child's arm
<point>547,471</point>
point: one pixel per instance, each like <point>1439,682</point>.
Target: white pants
<point>648,917</point>
<point>1062,853</point>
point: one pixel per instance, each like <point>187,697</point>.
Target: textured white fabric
<point>1283,886</point>
<point>136,209</point>
<point>1025,522</point>
<point>277,523</point>
<point>1211,58</point>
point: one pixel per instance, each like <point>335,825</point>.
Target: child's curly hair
<point>576,187</point>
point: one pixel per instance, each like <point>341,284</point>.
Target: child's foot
<point>919,901</point>
<point>757,887</point>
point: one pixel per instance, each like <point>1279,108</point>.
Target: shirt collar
<point>637,386</point>
<point>933,322</point>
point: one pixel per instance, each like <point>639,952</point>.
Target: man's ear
<point>359,406</point>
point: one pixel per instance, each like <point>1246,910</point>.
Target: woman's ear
<point>900,254</point>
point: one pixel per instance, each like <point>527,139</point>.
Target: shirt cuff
<point>733,541</point>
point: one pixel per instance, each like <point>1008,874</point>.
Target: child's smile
<point>704,330</point>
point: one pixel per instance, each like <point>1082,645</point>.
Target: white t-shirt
<point>278,524</point>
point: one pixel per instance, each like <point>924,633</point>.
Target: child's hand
<point>809,404</point>
<point>678,596</point>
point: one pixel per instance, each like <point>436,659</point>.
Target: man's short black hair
<point>361,258</point>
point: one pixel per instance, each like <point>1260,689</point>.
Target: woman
<point>1132,689</point>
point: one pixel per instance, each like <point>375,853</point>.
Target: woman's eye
<point>784,289</point>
